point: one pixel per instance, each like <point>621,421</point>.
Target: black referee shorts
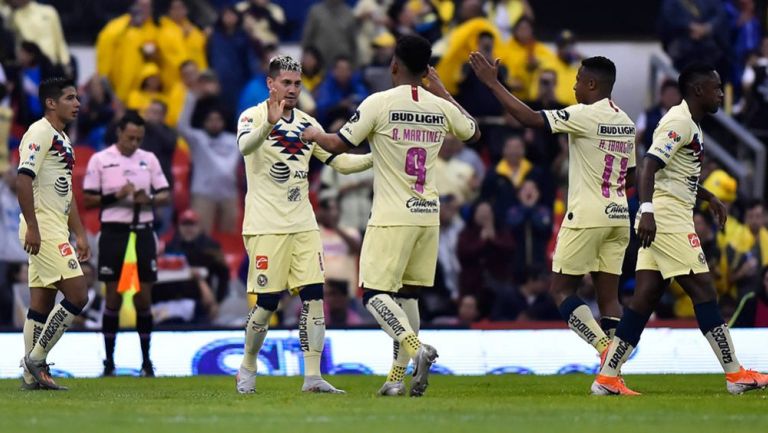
<point>112,243</point>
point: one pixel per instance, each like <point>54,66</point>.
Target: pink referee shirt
<point>109,170</point>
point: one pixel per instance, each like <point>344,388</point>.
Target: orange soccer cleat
<point>610,385</point>
<point>745,380</point>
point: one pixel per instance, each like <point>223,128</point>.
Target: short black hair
<point>692,74</point>
<point>53,88</point>
<point>668,84</point>
<point>283,63</point>
<point>602,67</point>
<point>132,117</point>
<point>414,53</point>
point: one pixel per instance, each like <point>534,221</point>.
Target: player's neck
<point>57,124</point>
<point>697,113</point>
<point>597,97</point>
<point>406,81</point>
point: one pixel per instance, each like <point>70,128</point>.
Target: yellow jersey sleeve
<point>34,146</point>
<point>569,120</point>
<point>363,122</point>
<point>668,138</point>
<point>459,125</point>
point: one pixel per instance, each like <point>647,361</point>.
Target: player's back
<point>601,150</point>
<point>406,127</point>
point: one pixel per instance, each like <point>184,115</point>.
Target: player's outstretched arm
<point>329,142</point>
<point>350,163</point>
<point>76,226</point>
<point>27,205</point>
<point>715,205</point>
<point>435,86</point>
<point>488,74</point>
<point>646,228</point>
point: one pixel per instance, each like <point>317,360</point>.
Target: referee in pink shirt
<point>126,182</point>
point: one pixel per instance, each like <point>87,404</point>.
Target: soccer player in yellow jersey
<point>405,126</point>
<point>595,232</point>
<point>48,213</point>
<point>279,227</point>
<point>669,247</point>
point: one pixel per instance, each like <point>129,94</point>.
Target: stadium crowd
<point>502,199</point>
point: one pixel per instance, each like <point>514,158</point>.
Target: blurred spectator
<point>505,13</point>
<point>96,111</point>
<point>209,97</point>
<point>255,90</point>
<point>454,176</point>
<point>377,74</point>
<point>7,41</point>
<point>184,296</point>
<point>32,21</point>
<point>566,65</point>
<point>524,56</point>
<point>531,223</point>
<point>202,252</point>
<point>190,76</point>
<point>312,73</point>
<point>694,30</point>
<point>231,56</point>
<point>11,251</point>
<point>463,40</point>
<point>469,311</point>
<point>485,251</point>
<point>755,88</point>
<point>529,301</point>
<point>179,40</point>
<point>331,28</point>
<point>6,118</point>
<point>501,184</point>
<point>747,261</point>
<point>91,317</point>
<point>371,18</point>
<point>150,89</point>
<point>669,96</point>
<point>215,162</point>
<point>161,139</point>
<point>341,245</point>
<point>125,45</point>
<point>339,309</point>
<point>343,89</point>
<point>472,94</point>
<point>754,312</point>
<point>451,226</point>
<point>34,67</point>
<point>263,20</point>
<point>744,36</point>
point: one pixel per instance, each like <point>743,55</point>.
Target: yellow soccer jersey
<point>276,171</point>
<point>678,145</point>
<point>405,127</point>
<point>601,150</point>
<point>47,156</point>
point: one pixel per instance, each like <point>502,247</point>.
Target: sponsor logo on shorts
<point>702,259</point>
<point>420,205</point>
<point>72,264</point>
<point>262,280</point>
<point>262,262</point>
<point>616,211</point>
<point>693,239</point>
<point>294,194</point>
<point>106,270</point>
<point>65,249</point>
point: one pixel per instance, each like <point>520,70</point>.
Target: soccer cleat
<point>109,369</point>
<point>745,380</point>
<point>610,385</point>
<point>319,385</point>
<point>147,370</point>
<point>245,381</point>
<point>392,389</point>
<point>425,357</point>
<point>42,374</point>
<point>28,382</point>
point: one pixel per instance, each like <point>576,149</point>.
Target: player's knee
<point>74,304</point>
<point>312,292</point>
<point>268,301</point>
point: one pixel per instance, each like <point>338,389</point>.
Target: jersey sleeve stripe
<point>28,172</point>
<point>331,158</point>
<point>659,160</point>
<point>546,121</point>
<point>346,140</point>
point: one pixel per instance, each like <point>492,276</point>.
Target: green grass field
<point>559,404</point>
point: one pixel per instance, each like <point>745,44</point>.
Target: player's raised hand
<point>486,72</point>
<point>32,240</point>
<point>434,84</point>
<point>646,229</point>
<point>83,249</point>
<point>309,134</point>
<point>718,211</point>
<point>274,107</point>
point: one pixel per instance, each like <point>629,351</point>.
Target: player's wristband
<point>646,207</point>
<point>108,199</point>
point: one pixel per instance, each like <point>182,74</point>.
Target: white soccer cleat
<point>425,357</point>
<point>319,385</point>
<point>245,381</point>
<point>392,389</point>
